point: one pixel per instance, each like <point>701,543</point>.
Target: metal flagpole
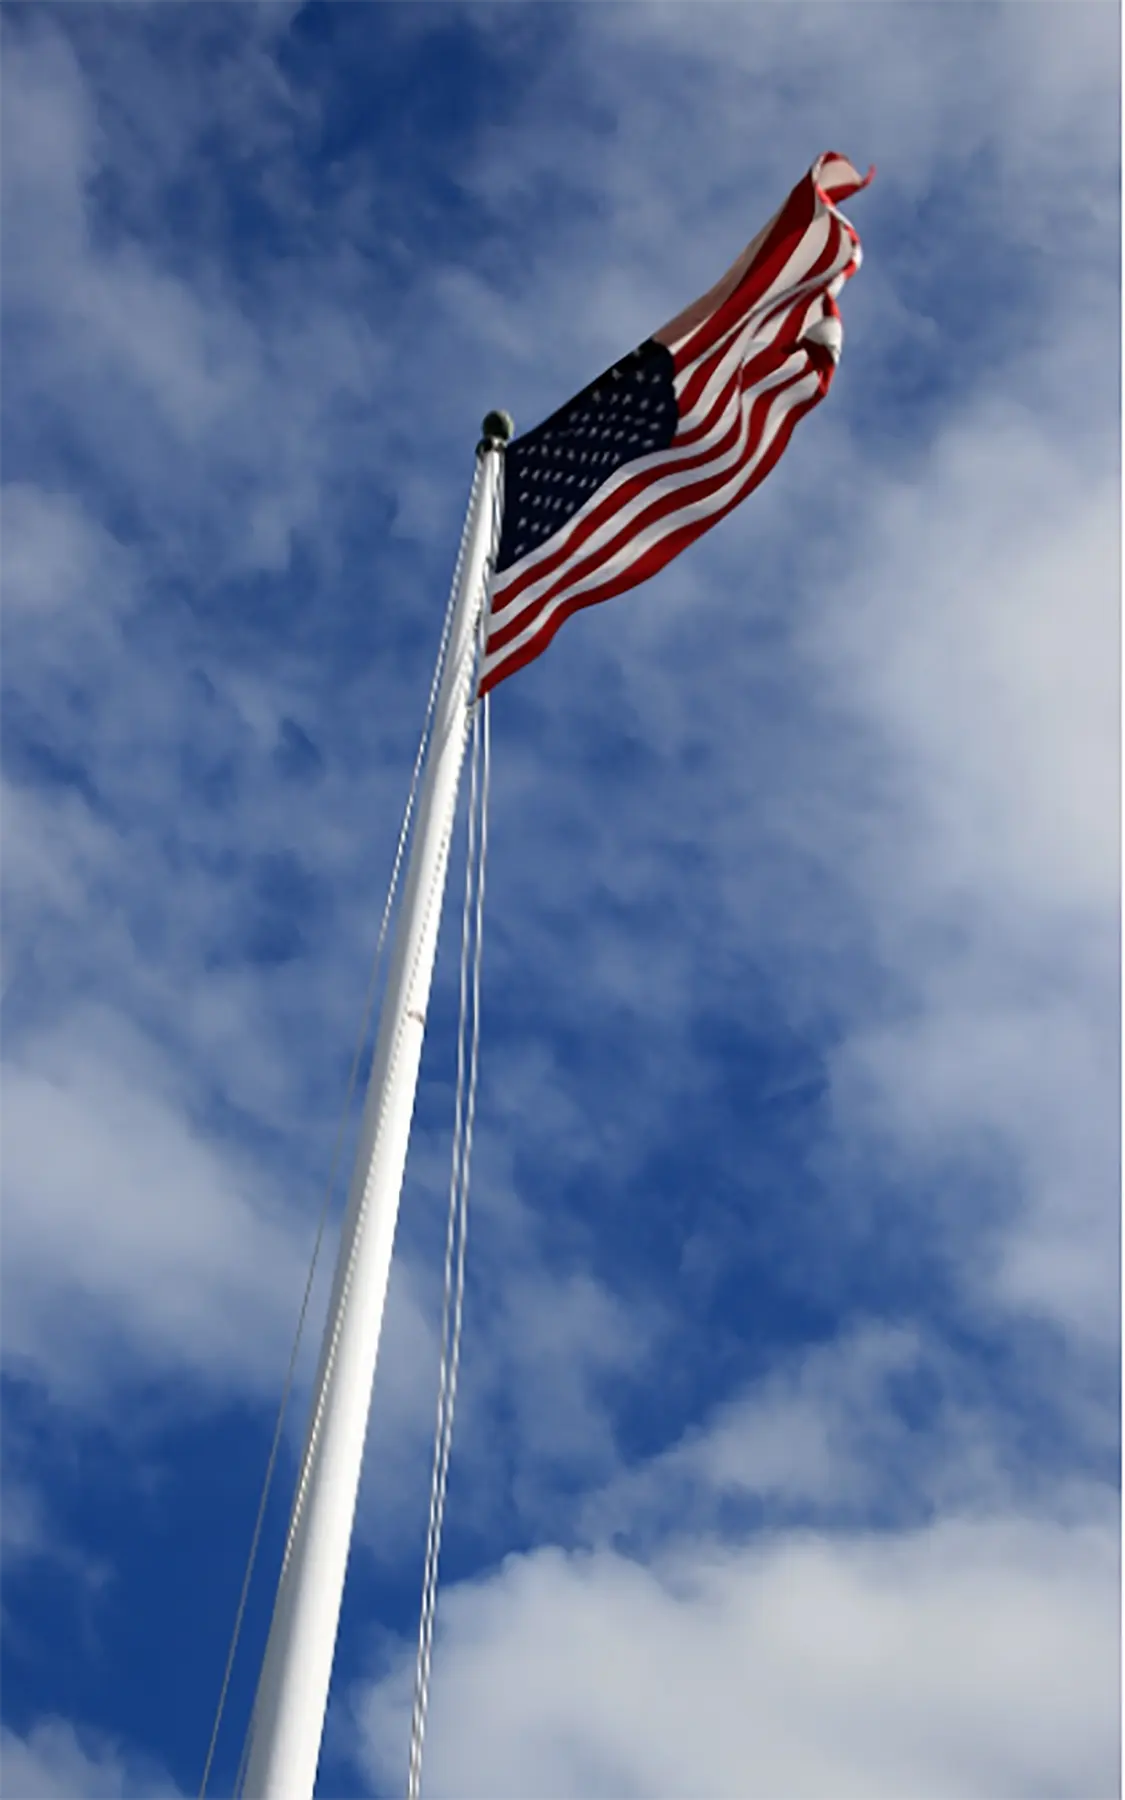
<point>293,1687</point>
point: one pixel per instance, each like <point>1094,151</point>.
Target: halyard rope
<point>468,1058</point>
<point>392,888</point>
<point>329,1358</point>
<point>464,1113</point>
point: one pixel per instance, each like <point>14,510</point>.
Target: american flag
<point>656,450</point>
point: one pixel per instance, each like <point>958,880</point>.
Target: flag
<point>655,451</point>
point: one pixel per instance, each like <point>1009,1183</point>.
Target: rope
<point>313,1434</point>
<point>392,889</point>
<point>468,1060</point>
<point>472,921</point>
<point>464,1114</point>
<point>433,896</point>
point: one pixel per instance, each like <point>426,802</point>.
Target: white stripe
<point>503,613</point>
<point>789,274</point>
<point>736,356</point>
<point>738,337</point>
<point>793,271</point>
<point>815,284</point>
<point>816,233</point>
<point>827,331</point>
<point>659,460</point>
<point>645,540</point>
<point>744,339</point>
<point>748,324</point>
<point>835,172</point>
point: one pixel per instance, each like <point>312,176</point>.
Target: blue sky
<point>786,1458</point>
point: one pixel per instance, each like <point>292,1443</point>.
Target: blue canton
<point>551,471</point>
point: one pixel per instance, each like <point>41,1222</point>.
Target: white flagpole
<point>293,1687</point>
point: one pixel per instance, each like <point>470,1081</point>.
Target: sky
<point>787,1450</point>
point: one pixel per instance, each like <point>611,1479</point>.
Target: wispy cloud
<point>55,1762</point>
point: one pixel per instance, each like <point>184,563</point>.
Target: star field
<point>550,472</point>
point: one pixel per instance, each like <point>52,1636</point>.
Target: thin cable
<point>433,896</point>
<point>454,1285</point>
<point>466,1156</point>
<point>392,888</point>
<point>329,1361</point>
<point>458,1221</point>
<point>450,1242</point>
<point>453,1288</point>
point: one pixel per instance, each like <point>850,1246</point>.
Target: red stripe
<point>772,357</point>
<point>612,503</point>
<point>564,564</point>
<point>665,506</point>
<point>698,361</point>
<point>742,375</point>
<point>786,335</point>
<point>701,375</point>
<point>845,189</point>
<point>783,343</point>
<point>795,218</point>
<point>754,369</point>
<point>751,288</point>
<point>657,556</point>
<point>698,380</point>
<point>807,286</point>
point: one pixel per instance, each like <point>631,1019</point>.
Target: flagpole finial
<point>496,430</point>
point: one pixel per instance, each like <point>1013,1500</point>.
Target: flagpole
<point>292,1694</point>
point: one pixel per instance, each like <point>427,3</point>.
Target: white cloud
<point>54,555</point>
<point>820,1435</point>
<point>540,1349</point>
<point>900,784</point>
<point>968,1658</point>
<point>52,853</point>
<point>974,645</point>
<point>901,1619</point>
<point>1038,92</point>
<point>125,1230</point>
<point>976,628</point>
<point>987,700</point>
<point>159,371</point>
<point>54,1761</point>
